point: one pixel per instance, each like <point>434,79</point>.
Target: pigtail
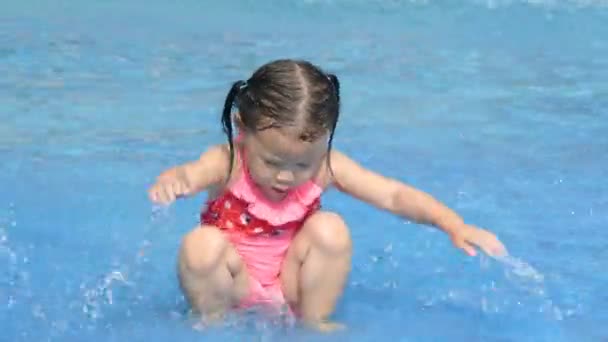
<point>336,86</point>
<point>334,80</point>
<point>227,117</point>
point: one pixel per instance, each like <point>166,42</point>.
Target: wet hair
<point>285,93</point>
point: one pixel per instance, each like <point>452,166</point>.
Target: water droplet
<point>388,248</point>
<point>484,304</point>
<point>109,296</point>
<point>558,314</point>
<point>61,326</point>
<point>37,312</point>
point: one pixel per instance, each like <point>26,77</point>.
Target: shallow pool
<point>498,108</point>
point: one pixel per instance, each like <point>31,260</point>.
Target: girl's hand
<point>466,237</point>
<point>168,188</point>
<point>189,178</point>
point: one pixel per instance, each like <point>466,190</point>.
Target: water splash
<point>101,294</point>
<point>526,279</point>
<point>520,270</point>
<point>125,274</point>
<point>13,279</point>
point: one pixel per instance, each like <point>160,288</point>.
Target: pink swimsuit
<point>261,231</point>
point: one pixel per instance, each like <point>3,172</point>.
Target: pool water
<point>497,108</point>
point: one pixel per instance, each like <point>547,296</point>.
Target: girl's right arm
<point>192,177</point>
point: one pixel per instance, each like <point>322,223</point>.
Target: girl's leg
<point>211,273</point>
<point>316,268</point>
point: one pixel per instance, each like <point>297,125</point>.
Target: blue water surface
<point>497,108</point>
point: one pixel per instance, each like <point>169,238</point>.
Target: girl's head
<point>287,115</point>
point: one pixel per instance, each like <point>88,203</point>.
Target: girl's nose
<point>285,177</point>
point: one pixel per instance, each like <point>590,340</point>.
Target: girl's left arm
<point>406,201</point>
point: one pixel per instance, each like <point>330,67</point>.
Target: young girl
<point>263,237</point>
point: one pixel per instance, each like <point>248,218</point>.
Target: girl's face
<point>278,161</point>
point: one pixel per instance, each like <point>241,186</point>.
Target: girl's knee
<point>329,232</point>
<point>202,249</point>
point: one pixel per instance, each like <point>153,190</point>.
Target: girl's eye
<point>302,166</point>
<point>272,163</point>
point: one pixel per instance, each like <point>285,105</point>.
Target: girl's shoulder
<point>325,177</point>
<point>222,163</point>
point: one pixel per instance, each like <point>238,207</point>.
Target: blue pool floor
<point>498,109</point>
